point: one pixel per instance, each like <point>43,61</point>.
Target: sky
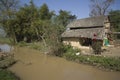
<point>80,8</point>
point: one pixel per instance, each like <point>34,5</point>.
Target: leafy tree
<point>65,17</point>
<point>30,23</point>
<point>62,19</point>
<point>20,27</point>
<point>100,7</point>
<point>25,19</point>
<point>8,7</point>
<point>7,10</point>
<point>44,12</point>
<point>115,21</point>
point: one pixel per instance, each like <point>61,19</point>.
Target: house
<point>80,33</point>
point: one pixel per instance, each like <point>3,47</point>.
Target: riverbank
<point>7,75</point>
<point>106,61</point>
<point>5,62</point>
<point>100,61</point>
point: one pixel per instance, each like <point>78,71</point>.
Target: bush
<point>69,52</point>
<point>7,75</point>
<point>6,61</point>
<point>22,44</point>
<point>96,46</point>
<point>4,40</point>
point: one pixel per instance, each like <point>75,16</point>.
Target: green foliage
<point>32,24</point>
<point>96,46</point>
<point>65,17</point>
<point>109,63</point>
<point>44,12</point>
<point>7,75</point>
<point>7,13</point>
<point>22,44</point>
<point>69,52</point>
<point>4,40</point>
<point>6,61</point>
<point>115,19</point>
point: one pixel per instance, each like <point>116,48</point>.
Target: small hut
<point>80,33</point>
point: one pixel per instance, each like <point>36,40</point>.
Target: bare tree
<point>7,7</point>
<point>100,7</point>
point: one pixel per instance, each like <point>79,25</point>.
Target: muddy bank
<point>32,65</point>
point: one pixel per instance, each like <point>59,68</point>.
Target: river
<point>32,65</point>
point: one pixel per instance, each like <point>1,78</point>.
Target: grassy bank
<point>4,40</point>
<point>6,62</point>
<point>7,75</point>
<point>106,63</point>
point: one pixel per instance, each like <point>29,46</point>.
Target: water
<point>5,48</point>
<point>32,65</point>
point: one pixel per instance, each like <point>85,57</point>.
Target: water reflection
<point>5,48</point>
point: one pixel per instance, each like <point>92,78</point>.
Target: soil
<point>110,51</point>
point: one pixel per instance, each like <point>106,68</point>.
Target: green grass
<point>110,63</point>
<point>22,44</point>
<point>5,40</point>
<point>6,61</point>
<point>7,75</point>
<point>107,63</point>
<point>34,45</point>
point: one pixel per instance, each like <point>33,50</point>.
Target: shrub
<point>22,44</point>
<point>69,52</point>
<point>96,46</point>
<point>7,75</point>
<point>6,62</point>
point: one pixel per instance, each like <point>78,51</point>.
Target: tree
<point>62,20</point>
<point>65,17</point>
<point>51,37</point>
<point>115,21</point>
<point>44,12</point>
<point>21,26</point>
<point>100,7</point>
<point>25,18</point>
<point>8,9</point>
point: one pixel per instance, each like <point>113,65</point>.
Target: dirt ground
<point>112,51</point>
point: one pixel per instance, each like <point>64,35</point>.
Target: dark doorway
<point>85,41</point>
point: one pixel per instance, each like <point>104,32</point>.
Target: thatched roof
<point>92,33</point>
<point>88,22</point>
